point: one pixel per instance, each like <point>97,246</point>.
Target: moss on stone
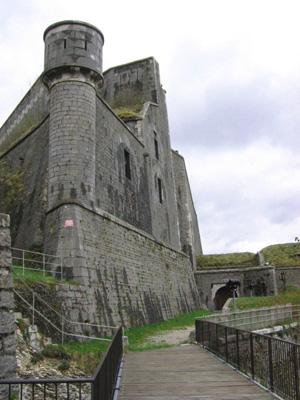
<point>127,114</point>
<point>128,107</point>
<point>229,260</point>
<point>282,255</point>
<point>18,133</point>
<point>12,187</point>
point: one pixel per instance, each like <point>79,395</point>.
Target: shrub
<point>57,352</point>
<point>64,365</point>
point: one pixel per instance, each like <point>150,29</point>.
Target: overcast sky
<point>232,74</point>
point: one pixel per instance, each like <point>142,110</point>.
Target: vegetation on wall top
<point>127,106</point>
<point>229,260</point>
<point>282,255</point>
<point>128,113</point>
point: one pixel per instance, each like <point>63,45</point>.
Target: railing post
<point>217,339</point>
<point>44,265</point>
<point>226,343</point>
<point>296,370</point>
<point>197,329</point>
<point>270,362</point>
<point>61,267</point>
<point>33,306</point>
<point>237,348</point>
<point>23,262</point>
<point>252,355</point>
<point>202,333</point>
<point>62,329</point>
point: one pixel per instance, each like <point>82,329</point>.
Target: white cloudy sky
<point>231,69</point>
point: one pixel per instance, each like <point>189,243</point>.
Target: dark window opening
<point>127,164</point>
<point>85,45</point>
<point>160,193</point>
<point>65,43</point>
<point>156,149</point>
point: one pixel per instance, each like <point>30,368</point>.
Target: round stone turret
<point>73,44</point>
<point>73,73</point>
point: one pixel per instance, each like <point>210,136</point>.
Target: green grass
<point>89,346</point>
<point>230,260</point>
<point>282,255</point>
<point>85,355</point>
<point>138,337</point>
<point>290,296</point>
<point>37,276</point>
<point>31,276</point>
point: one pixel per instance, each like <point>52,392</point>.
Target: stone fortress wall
<point>100,190</point>
<point>7,317</point>
<point>104,189</point>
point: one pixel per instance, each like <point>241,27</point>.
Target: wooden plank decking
<point>184,373</point>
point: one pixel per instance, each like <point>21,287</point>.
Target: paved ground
<point>184,373</point>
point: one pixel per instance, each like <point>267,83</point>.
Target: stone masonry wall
<point>209,281</point>
<point>188,222</point>
<point>29,113</point>
<point>72,143</point>
<point>7,318</point>
<point>27,217</point>
<point>287,276</point>
<point>129,278</point>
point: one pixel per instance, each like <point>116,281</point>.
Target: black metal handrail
<point>272,362</point>
<point>100,386</point>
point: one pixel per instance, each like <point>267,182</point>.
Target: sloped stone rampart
<point>7,318</point>
<point>127,277</point>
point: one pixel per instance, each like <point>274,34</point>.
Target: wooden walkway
<point>184,373</point>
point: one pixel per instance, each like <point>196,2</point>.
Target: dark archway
<point>221,296</point>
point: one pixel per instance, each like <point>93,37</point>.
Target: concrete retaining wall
<point>258,318</point>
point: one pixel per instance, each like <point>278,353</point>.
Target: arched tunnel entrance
<point>221,296</point>
<point>224,293</point>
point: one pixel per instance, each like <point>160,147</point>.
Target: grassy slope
<point>138,337</point>
<point>283,255</point>
<point>230,260</point>
<point>290,296</point>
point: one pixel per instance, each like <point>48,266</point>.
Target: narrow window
<point>156,148</point>
<point>127,164</point>
<point>85,45</point>
<point>160,194</point>
<point>65,43</point>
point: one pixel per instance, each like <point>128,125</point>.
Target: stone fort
<point>102,186</point>
<point>103,190</point>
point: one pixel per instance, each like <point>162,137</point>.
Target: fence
<point>56,321</point>
<point>272,362</point>
<point>101,386</point>
<point>35,261</point>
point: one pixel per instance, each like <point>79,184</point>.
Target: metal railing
<point>101,386</point>
<point>63,326</point>
<point>47,264</point>
<point>272,362</point>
